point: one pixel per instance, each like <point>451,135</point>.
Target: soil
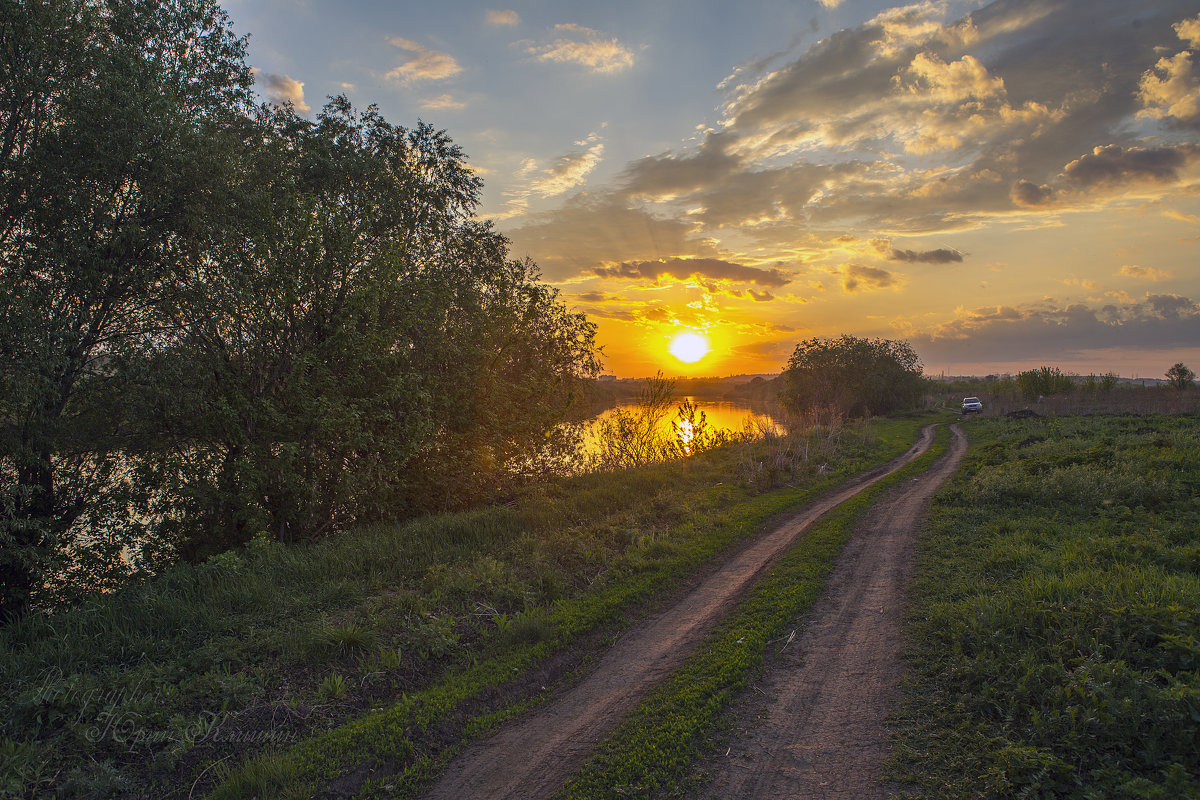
<point>815,722</point>
<point>533,756</point>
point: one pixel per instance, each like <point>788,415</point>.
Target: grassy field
<point>1055,627</point>
<point>362,663</point>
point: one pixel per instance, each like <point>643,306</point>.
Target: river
<point>718,415</point>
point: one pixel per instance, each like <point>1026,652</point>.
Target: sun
<point>689,347</point>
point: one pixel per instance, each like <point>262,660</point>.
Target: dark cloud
<point>1051,333</point>
<point>588,230</point>
<point>856,276</point>
<point>666,174</point>
<point>1025,193</point>
<point>592,297</point>
<point>1110,164</point>
<point>1171,306</point>
<point>624,315</point>
<point>763,297</point>
<point>693,268</point>
<point>940,256</point>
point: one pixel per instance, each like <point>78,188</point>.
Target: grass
<point>278,669</point>
<point>1055,627</point>
<point>654,751</point>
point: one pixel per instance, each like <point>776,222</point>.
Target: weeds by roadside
<point>1055,632</point>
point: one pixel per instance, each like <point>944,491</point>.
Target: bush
<point>856,376</point>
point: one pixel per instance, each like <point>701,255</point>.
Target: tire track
<point>533,756</point>
<point>819,729</point>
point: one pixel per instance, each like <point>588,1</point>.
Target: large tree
<point>219,320</point>
<point>852,375</point>
<point>1180,376</point>
<point>354,345</point>
<point>106,175</point>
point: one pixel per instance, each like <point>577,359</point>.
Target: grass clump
<point>1055,631</point>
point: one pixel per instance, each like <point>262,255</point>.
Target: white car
<point>971,405</point>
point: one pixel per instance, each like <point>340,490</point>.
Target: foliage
<point>855,376</point>
<point>106,181</point>
<point>1043,382</point>
<point>364,344</point>
<point>219,321</point>
<point>1053,634</point>
<point>1102,383</point>
<point>1180,377</point>
<point>633,438</point>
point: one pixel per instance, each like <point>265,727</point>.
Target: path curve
<point>533,756</point>
<point>821,706</point>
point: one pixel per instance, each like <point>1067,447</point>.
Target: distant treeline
<point>626,390</point>
<point>221,320</point>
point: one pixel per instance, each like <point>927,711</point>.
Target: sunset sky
<point>1003,184</point>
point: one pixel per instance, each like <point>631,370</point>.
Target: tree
<point>855,376</point>
<point>1180,376</point>
<point>219,320</point>
<point>363,347</point>
<point>1043,382</point>
<point>106,176</point>
<point>635,437</point>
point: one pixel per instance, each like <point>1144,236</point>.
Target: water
<point>718,415</point>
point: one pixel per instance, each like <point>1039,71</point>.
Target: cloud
<point>1110,164</point>
<point>940,256</point>
<point>1172,89</point>
<point>570,170</point>
<point>588,230</point>
<point>425,64</point>
<point>912,123</point>
<point>1051,332</point>
<point>683,269</point>
<point>861,276</point>
<point>1189,30</point>
<point>443,102</point>
<point>281,89</point>
<point>586,47</point>
<point>1025,193</point>
<point>1147,273</point>
<point>565,173</point>
<point>505,18</point>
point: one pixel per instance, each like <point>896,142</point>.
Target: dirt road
<point>534,756</point>
<point>816,722</point>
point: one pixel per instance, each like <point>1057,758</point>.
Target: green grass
<point>654,751</point>
<point>433,628</point>
<point>1055,626</point>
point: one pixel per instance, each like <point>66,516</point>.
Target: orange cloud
<point>861,276</point>
<point>281,89</point>
<point>425,65</point>
<point>1147,273</point>
<point>586,47</point>
<point>506,18</point>
<point>684,269</point>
